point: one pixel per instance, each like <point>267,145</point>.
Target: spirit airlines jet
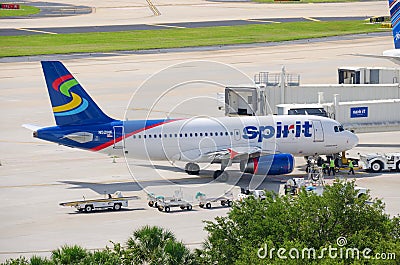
<point>262,145</point>
<point>392,54</point>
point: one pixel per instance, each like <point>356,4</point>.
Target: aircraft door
<point>119,137</point>
<point>236,134</point>
<point>318,131</point>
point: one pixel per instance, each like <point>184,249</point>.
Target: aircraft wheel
<point>208,205</point>
<point>230,203</point>
<point>376,167</point>
<point>222,203</point>
<point>189,207</point>
<point>217,173</point>
<point>160,208</point>
<point>167,209</point>
<point>182,207</point>
<point>201,205</point>
<point>398,166</point>
<point>192,168</point>
<point>151,203</point>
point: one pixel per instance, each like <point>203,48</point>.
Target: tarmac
<point>36,176</point>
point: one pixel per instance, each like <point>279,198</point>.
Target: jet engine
<point>276,164</point>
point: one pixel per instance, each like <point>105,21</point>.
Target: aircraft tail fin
<point>70,102</point>
<point>394,7</point>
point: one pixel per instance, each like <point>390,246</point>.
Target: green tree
<point>155,245</point>
<point>69,255</point>
<point>307,221</point>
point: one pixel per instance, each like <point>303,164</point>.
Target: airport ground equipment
<point>258,194</point>
<point>152,199</point>
<point>164,203</point>
<point>224,200</point>
<point>113,201</point>
<point>293,186</point>
<point>378,162</point>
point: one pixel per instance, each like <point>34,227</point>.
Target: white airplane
<point>392,54</point>
<point>262,145</point>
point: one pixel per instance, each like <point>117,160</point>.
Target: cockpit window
<point>338,128</point>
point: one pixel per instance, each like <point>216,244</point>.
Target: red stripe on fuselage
<point>111,142</point>
<point>58,81</point>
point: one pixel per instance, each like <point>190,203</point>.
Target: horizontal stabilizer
<point>32,127</point>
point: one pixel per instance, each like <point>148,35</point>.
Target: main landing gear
<point>192,168</point>
<point>221,175</point>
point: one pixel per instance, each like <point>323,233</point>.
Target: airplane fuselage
<point>196,139</point>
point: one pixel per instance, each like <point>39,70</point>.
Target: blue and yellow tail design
<point>394,7</point>
<point>71,104</point>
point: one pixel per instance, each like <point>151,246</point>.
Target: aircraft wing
<point>236,153</point>
<point>394,59</point>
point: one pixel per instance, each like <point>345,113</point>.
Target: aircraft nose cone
<point>353,140</point>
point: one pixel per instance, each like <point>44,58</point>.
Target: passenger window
<point>186,134</point>
<point>155,136</point>
<point>221,133</point>
<point>134,137</point>
<point>206,134</point>
<point>180,135</point>
<point>201,134</point>
<point>191,134</point>
<point>195,134</point>
<point>226,133</point>
<point>211,134</point>
<point>139,136</point>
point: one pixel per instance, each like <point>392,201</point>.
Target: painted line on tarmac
<point>312,19</point>
<point>167,26</point>
<point>261,20</point>
<point>36,31</point>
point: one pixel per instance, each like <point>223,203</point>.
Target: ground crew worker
<point>331,167</point>
<point>324,168</point>
<point>351,167</point>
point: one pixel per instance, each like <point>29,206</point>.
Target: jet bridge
<point>359,105</point>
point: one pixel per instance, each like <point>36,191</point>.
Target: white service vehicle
<point>225,200</point>
<point>115,202</point>
<point>258,194</point>
<point>377,162</point>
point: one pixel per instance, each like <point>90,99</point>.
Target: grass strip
<point>176,38</point>
<point>23,11</point>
